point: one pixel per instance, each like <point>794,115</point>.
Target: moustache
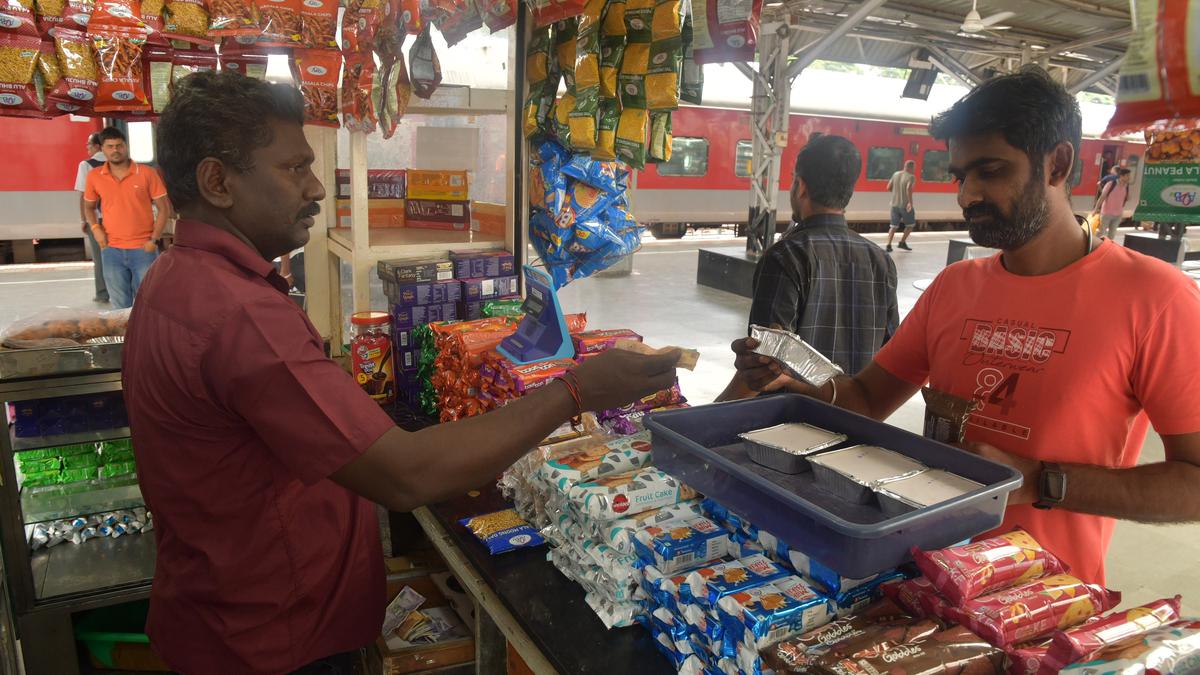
<point>978,211</point>
<point>310,211</point>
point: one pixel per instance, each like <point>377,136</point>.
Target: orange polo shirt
<point>128,218</point>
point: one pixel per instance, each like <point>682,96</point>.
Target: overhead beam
<point>813,52</point>
<point>1084,43</point>
<point>1097,76</point>
<point>953,66</point>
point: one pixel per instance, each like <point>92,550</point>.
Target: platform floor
<point>662,301</point>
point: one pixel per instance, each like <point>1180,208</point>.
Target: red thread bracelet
<point>572,383</point>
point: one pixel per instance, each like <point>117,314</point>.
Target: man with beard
<point>257,454</point>
<point>1019,334</point>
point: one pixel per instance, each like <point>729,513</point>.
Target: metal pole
<point>769,131</point>
<point>1097,76</point>
<point>814,52</point>
<point>953,66</point>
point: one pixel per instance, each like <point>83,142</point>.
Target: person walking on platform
<point>1111,204</point>
<point>95,160</point>
<point>822,280</point>
<point>903,214</point>
<point>136,210</point>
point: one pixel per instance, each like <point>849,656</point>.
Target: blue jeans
<point>124,269</point>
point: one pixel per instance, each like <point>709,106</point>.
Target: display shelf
<point>97,564</point>
<point>115,494</point>
<point>386,243</point>
<point>38,442</point>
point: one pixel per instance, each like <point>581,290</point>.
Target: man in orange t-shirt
<point>130,234</point>
<point>1066,388</point>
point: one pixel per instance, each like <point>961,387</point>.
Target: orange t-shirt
<point>128,218</point>
<point>1064,366</point>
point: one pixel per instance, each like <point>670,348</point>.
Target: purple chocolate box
<point>488,289</point>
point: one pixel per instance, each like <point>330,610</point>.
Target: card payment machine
<point>542,334</point>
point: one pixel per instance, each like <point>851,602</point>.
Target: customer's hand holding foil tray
<point>797,357</point>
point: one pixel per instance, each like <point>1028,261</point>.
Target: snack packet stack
<point>461,349</point>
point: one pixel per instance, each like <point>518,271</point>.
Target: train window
<point>141,142</point>
<point>883,162</point>
<point>689,157</point>
<point>935,167</point>
<point>742,159</point>
<point>1077,173</point>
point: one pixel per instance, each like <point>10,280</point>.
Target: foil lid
<point>795,355</point>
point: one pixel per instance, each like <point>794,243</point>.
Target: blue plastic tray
<point>700,447</point>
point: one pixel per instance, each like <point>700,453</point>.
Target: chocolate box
<point>423,293</point>
<point>482,264</point>
<point>415,270</point>
<point>488,289</point>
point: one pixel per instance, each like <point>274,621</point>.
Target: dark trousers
<point>346,663</point>
<point>97,266</point>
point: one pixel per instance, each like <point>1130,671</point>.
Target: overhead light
<point>1037,47</point>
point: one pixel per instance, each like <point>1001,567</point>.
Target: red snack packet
<point>597,341</point>
<point>1156,89</point>
<point>186,20</point>
<point>152,16</point>
<point>918,597</point>
<point>120,15</point>
<point>721,34</point>
<point>460,21</point>
<point>18,94</point>
<point>122,84</point>
<point>1082,643</point>
<point>78,65</point>
<point>358,112</point>
<point>1027,658</point>
<point>390,36</point>
<point>550,11</point>
<point>498,14</point>
<point>533,376</point>
<point>1034,610</point>
<point>16,18</point>
<point>279,22</point>
<point>232,18</point>
<point>392,96</point>
<point>576,323</point>
<point>318,24</point>
<point>247,62</point>
<point>962,573</point>
<point>316,71</point>
<point>359,28</point>
<point>425,71</point>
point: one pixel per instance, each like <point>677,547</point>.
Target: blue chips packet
<point>503,531</point>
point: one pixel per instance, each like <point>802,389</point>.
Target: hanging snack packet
<point>503,531</point>
<point>539,67</point>
<point>631,137</point>
<point>584,117</point>
<point>612,54</point>
<point>78,65</point>
<point>19,58</point>
<point>410,16</point>
<point>248,63</point>
<point>158,68</point>
<point>16,18</point>
<point>666,56</point>
<point>1085,642</point>
<point>184,63</point>
<point>606,134</point>
<point>462,22</point>
<point>232,18</point>
<point>152,16</point>
<point>965,572</point>
<point>499,14</point>
<point>1033,610</point>
<point>316,71</point>
<point>279,22</point>
<point>562,118</point>
<point>691,81</point>
<point>425,70</point>
<point>119,61</point>
<point>396,95</point>
<point>49,14</point>
<point>660,137</point>
<point>387,33</point>
<point>725,31</point>
<point>358,72</point>
<point>48,72</point>
<point>116,15</point>
<point>318,24</point>
<point>565,46</point>
<point>546,12</point>
<point>186,20</point>
<point>1160,76</point>
<point>635,62</point>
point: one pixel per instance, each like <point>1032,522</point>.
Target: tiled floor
<point>662,301</point>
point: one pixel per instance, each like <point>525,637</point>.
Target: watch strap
<point>1052,486</point>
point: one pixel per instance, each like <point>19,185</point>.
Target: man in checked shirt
<point>822,281</point>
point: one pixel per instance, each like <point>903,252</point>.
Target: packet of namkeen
<point>122,85</point>
<point>186,20</point>
<point>232,18</point>
<point>16,18</point>
<point>79,77</point>
<point>317,73</point>
<point>18,63</point>
<point>687,357</point>
<point>318,24</point>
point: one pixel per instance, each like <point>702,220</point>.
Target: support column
<point>769,133</point>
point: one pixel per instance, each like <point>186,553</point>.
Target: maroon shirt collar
<point>205,237</point>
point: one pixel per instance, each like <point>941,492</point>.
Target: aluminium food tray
<point>700,446</point>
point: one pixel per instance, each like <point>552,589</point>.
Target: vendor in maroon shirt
<point>259,457</point>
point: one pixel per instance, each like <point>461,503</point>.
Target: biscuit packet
<point>620,455</point>
<point>624,495</point>
<point>503,531</point>
<point>1084,642</point>
<point>1034,610</point>
<point>677,547</point>
<point>774,611</point>
<point>706,586</point>
<point>965,572</point>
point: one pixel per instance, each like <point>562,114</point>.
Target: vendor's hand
<point>101,238</point>
<point>1031,469</point>
<point>618,377</point>
<point>150,247</point>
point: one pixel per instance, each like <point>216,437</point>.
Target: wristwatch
<point>1052,486</point>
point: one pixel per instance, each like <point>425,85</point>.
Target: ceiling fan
<point>974,23</point>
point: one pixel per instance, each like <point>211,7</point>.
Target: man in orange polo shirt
<point>1065,390</point>
<point>129,236</point>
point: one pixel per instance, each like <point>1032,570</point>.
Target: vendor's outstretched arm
<point>405,470</point>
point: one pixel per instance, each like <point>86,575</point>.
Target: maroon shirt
<point>238,418</point>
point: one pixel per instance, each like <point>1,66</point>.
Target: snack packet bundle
<point>503,531</point>
<point>1173,649</point>
<point>1033,610</point>
<point>316,70</point>
<point>965,572</point>
<point>612,178</point>
<point>766,614</point>
<point>80,76</point>
<point>725,32</point>
<point>624,495</point>
<point>918,597</point>
<point>665,63</point>
<point>542,73</point>
<point>621,534</point>
<point>954,650</point>
<point>358,75</point>
<point>1082,643</point>
<point>618,455</point>
<point>836,638</point>
<point>1160,76</point>
<point>584,117</point>
<point>677,547</point>
<point>546,12</point>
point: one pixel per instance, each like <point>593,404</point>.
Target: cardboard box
<point>407,360</point>
<point>438,214</point>
<point>422,293</point>
<point>488,289</point>
<point>381,183</point>
<point>489,218</point>
<point>415,270</point>
<point>380,213</point>
<point>483,264</point>
<point>406,318</point>
<point>449,185</point>
<point>405,339</point>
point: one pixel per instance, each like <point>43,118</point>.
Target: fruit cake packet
<point>965,572</point>
<point>1034,610</point>
<point>624,495</point>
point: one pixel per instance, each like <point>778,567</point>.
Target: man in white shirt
<point>901,185</point>
<point>95,159</point>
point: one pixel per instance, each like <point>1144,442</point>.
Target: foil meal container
<point>785,447</point>
<point>855,473</point>
<point>795,355</point>
<point>924,489</point>
<point>107,340</point>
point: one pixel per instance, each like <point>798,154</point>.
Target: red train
<point>707,183</point>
